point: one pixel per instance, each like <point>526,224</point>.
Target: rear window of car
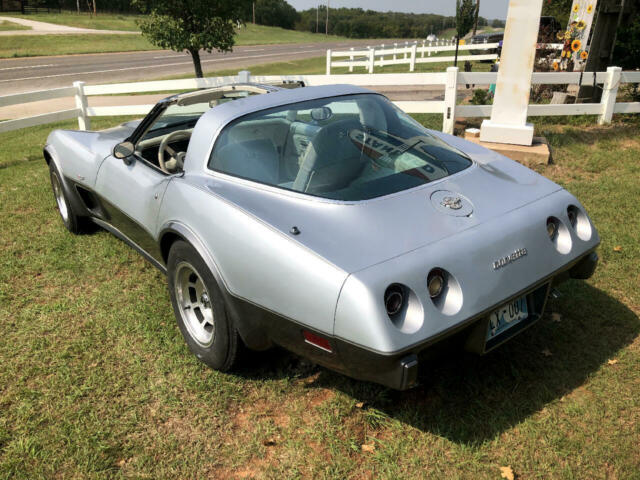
<point>351,148</point>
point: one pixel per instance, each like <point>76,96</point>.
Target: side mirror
<point>124,150</point>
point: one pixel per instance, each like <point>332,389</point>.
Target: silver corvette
<point>327,221</point>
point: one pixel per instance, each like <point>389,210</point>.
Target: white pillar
<point>372,59</point>
<point>328,62</point>
<point>609,94</point>
<point>84,122</point>
<point>450,99</point>
<point>508,123</point>
<point>351,60</point>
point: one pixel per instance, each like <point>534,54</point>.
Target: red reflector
<point>317,341</point>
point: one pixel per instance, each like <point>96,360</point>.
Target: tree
<point>475,22</point>
<point>191,25</point>
<point>465,15</point>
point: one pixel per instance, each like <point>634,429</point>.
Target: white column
<point>84,122</point>
<point>328,62</point>
<point>450,98</point>
<point>609,94</point>
<point>508,123</point>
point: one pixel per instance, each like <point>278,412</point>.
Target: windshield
<point>351,148</point>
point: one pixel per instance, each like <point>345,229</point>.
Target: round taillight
<point>552,228</point>
<point>435,282</point>
<point>394,299</point>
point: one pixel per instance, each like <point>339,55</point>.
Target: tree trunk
<point>94,7</point>
<point>455,61</point>
<point>475,21</point>
<point>78,6</point>
<point>195,55</point>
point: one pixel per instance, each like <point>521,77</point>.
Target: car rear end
<point>482,286</point>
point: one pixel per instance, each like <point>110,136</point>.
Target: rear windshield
<point>351,148</point>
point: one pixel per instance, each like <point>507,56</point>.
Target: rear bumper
<point>399,370</point>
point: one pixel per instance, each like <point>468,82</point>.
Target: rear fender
<point>250,326</point>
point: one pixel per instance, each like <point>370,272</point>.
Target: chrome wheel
<point>59,194</point>
<point>194,304</point>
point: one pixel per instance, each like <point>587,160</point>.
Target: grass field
<point>96,382</point>
<point>317,65</point>
<point>38,45</point>
<point>102,21</point>
<point>9,26</point>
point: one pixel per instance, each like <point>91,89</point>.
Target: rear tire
<point>72,222</point>
<point>200,310</point>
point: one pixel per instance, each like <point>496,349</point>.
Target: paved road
<point>38,73</point>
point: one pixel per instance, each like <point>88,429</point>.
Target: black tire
<point>72,221</point>
<point>221,351</point>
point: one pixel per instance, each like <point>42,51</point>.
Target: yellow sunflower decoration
<point>560,35</point>
<point>576,7</point>
<point>590,9</point>
<point>567,35</point>
<point>581,25</point>
<point>584,55</point>
<point>575,45</point>
<point>556,66</point>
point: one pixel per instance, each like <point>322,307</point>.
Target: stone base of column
<point>501,133</point>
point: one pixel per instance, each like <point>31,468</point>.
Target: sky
<point>488,8</point>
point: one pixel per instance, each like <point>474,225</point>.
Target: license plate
<point>507,316</point>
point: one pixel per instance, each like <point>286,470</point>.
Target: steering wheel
<point>176,158</point>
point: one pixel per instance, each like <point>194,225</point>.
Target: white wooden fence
<point>410,53</point>
<point>449,80</point>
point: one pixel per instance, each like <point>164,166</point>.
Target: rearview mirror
<point>123,150</point>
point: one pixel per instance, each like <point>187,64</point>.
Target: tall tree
<point>465,13</point>
<point>191,25</point>
<point>475,22</point>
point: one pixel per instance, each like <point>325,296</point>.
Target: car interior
<point>350,147</point>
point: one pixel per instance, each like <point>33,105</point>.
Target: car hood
<point>354,236</point>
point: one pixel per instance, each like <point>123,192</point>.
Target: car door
<point>131,193</point>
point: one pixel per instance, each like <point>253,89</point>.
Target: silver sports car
<point>327,221</point>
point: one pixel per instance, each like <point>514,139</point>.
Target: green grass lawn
<point>96,382</point>
<point>37,45</point>
<point>102,21</point>
<point>317,66</point>
<point>10,26</point>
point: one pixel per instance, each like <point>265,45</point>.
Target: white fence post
<point>395,47</point>
<point>412,63</point>
<point>329,62</point>
<point>450,98</point>
<point>244,76</point>
<point>372,59</point>
<point>351,61</point>
<point>423,45</point>
<point>406,50</point>
<point>84,123</point>
<point>609,94</point>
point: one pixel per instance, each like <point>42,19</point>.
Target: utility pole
<point>326,22</point>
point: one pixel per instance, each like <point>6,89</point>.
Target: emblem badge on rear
<point>454,203</point>
<point>504,261</point>
<point>451,203</point>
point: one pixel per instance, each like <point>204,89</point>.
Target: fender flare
<point>71,193</point>
<point>249,326</point>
